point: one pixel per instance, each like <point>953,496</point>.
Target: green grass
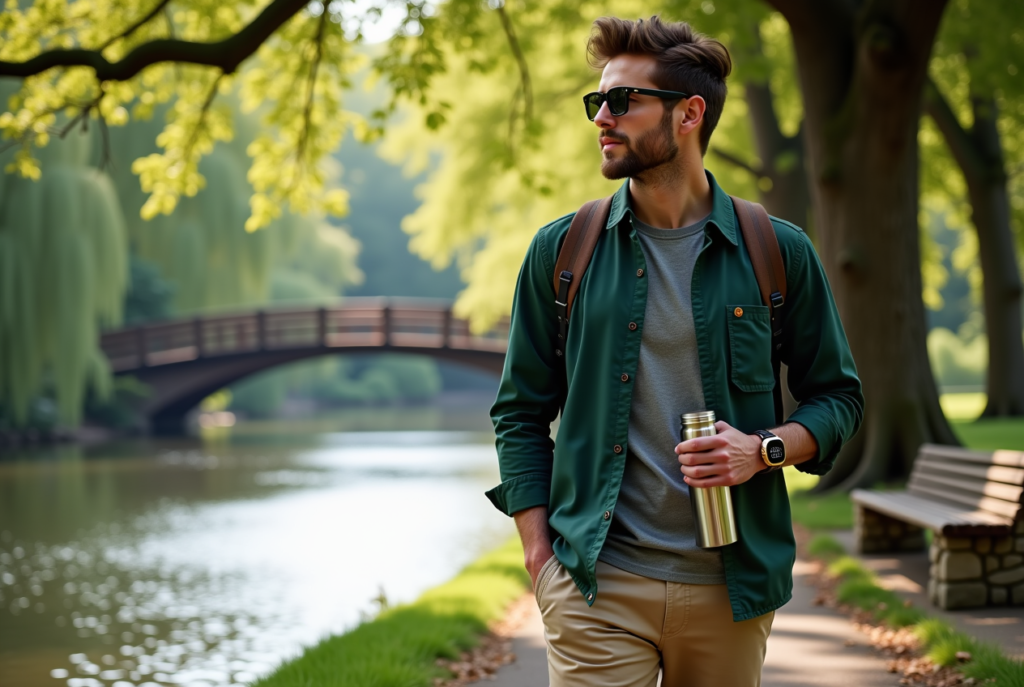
<point>989,435</point>
<point>858,588</point>
<point>399,647</point>
<point>813,511</point>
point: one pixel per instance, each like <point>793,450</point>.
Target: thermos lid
<point>701,418</point>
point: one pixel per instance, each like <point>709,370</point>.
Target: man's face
<point>641,139</point>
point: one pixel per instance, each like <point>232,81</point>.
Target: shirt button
<point>632,326</point>
<point>624,377</point>
<point>738,312</point>
<point>640,272</point>
<point>607,514</point>
<point>617,448</point>
<point>590,597</point>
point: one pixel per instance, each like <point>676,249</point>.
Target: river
<point>207,563</point>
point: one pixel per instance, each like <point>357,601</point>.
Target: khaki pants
<point>639,626</point>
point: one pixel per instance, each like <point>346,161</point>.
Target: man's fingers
<point>700,444</point>
<point>702,471</point>
<point>703,458</point>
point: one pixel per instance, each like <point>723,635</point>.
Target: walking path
<point>809,645</point>
<point>907,575</point>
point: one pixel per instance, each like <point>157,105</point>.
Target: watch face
<point>776,451</point>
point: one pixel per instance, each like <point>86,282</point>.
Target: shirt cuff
<point>520,493</point>
<point>824,430</point>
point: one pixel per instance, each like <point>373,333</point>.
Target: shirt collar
<point>723,216</point>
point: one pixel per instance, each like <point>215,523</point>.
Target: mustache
<point>615,135</point>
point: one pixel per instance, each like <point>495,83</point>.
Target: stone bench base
<point>980,571</point>
<point>878,533</point>
<point>965,572</point>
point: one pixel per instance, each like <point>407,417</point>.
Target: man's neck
<point>669,201</point>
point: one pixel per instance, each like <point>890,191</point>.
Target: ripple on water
<point>167,597</point>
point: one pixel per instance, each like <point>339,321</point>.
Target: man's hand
<point>533,530</point>
<point>726,459</point>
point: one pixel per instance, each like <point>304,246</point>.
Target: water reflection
<point>207,566</point>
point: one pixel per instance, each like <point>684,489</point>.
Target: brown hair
<point>687,61</point>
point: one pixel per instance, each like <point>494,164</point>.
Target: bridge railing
<point>354,324</point>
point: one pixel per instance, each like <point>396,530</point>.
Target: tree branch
<point>736,162</point>
<point>226,55</point>
<point>957,138</point>
<point>307,112</point>
<point>201,122</point>
<point>524,70</point>
<point>134,27</point>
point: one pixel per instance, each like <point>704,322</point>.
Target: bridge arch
<point>184,361</point>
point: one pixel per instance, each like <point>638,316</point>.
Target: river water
<point>207,563</point>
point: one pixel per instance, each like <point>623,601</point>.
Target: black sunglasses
<point>618,99</point>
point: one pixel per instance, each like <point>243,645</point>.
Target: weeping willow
<point>63,273</point>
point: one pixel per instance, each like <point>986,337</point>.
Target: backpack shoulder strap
<point>766,258</point>
<point>573,259</point>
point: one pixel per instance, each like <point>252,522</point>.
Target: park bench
<point>971,502</point>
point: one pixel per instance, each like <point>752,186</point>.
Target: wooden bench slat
<point>1009,458</point>
<point>991,473</point>
<point>994,506</point>
<point>948,520</point>
<point>996,490</point>
<point>935,511</point>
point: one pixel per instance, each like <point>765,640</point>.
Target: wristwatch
<point>773,450</point>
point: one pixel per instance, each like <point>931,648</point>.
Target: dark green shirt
<point>578,477</point>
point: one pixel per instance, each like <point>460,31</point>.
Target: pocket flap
<point>750,347</point>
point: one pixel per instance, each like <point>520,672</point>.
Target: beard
<point>653,148</point>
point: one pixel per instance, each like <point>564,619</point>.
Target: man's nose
<point>604,118</point>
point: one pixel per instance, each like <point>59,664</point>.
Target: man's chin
<point>613,169</point>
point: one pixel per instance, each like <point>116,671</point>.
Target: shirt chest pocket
<point>750,347</point>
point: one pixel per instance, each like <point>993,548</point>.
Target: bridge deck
<point>355,323</point>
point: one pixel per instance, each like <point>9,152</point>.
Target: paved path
<point>907,575</point>
<point>809,645</point>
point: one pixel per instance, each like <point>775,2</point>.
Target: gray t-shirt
<point>652,531</point>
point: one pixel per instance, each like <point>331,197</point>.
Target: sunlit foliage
<point>503,176</point>
<point>979,54</point>
<point>295,81</point>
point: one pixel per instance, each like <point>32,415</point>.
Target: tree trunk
<point>978,153</point>
<point>782,160</point>
<point>862,72</point>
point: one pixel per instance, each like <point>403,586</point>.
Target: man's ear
<point>692,110</point>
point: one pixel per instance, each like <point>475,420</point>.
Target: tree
<point>978,67</point>
<point>862,69</point>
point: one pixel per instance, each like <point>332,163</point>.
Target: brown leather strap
<point>765,256</point>
<point>578,246</point>
<point>770,271</point>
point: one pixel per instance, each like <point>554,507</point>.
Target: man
<point>668,319</point>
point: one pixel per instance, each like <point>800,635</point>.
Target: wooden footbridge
<point>184,361</point>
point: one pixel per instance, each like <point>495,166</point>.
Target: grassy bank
<point>399,647</point>
<point>942,644</point>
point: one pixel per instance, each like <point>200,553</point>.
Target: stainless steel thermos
<point>712,506</point>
